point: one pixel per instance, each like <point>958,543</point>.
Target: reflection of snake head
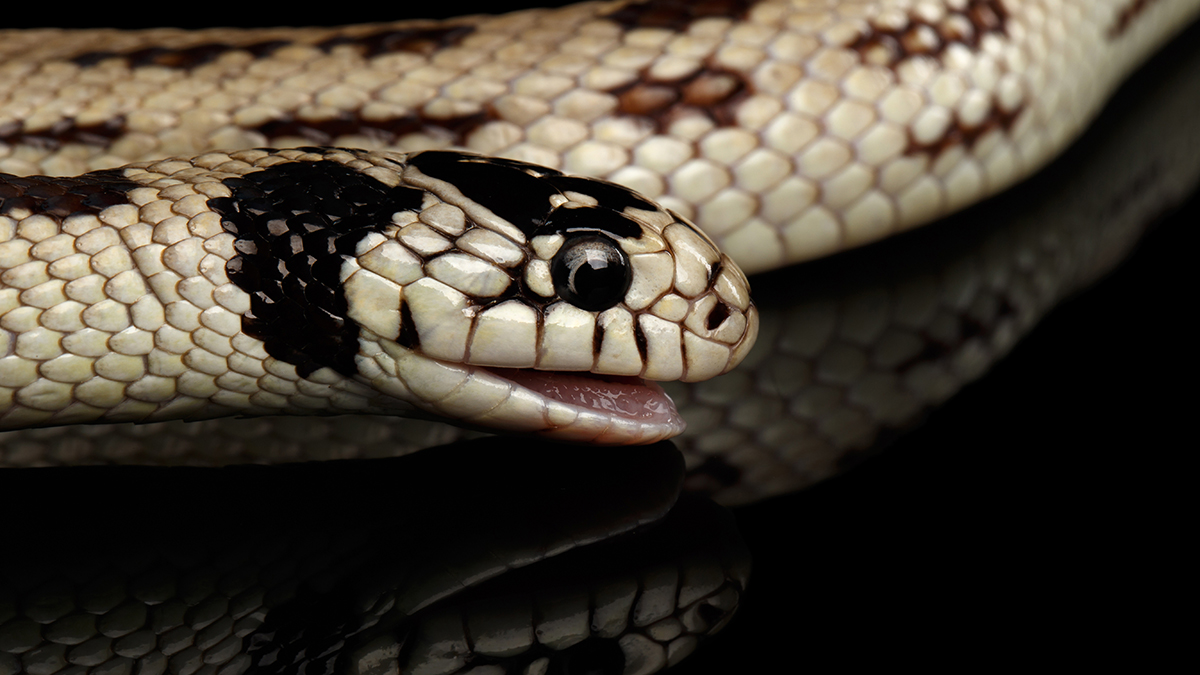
<point>493,292</point>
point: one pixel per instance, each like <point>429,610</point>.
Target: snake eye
<point>591,272</point>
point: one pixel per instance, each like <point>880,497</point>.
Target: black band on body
<point>296,223</point>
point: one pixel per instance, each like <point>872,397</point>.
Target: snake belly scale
<point>786,129</point>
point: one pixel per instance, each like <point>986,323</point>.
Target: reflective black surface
<point>498,552</point>
<point>1044,509</point>
<point>1040,511</point>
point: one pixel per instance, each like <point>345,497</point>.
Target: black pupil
<point>591,273</point>
<point>594,276</point>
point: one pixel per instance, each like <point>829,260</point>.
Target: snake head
<point>495,293</point>
<point>558,294</point>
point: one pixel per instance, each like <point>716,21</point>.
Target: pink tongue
<point>629,397</point>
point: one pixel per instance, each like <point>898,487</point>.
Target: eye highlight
<point>591,272</point>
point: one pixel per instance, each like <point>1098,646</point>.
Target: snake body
<point>786,130</point>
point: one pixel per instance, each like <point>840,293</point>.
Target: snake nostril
<point>709,614</point>
<point>717,316</point>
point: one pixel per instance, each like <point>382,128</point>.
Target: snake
<point>77,640</point>
<point>392,218</point>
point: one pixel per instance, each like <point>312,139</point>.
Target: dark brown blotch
<point>385,131</point>
<point>1126,17</point>
<point>426,40</point>
<point>677,15</point>
<point>711,91</point>
<point>891,45</point>
<point>63,132</point>
<point>182,58</point>
<point>957,133</point>
<point>63,197</point>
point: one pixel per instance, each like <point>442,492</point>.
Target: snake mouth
<point>628,397</point>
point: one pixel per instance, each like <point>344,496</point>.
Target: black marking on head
<point>639,338</point>
<point>408,338</point>
<point>536,170</point>
<point>62,197</point>
<point>611,195</point>
<point>515,290</point>
<point>296,223</point>
<point>714,271</point>
<point>520,193</point>
<point>591,219</point>
<point>502,187</point>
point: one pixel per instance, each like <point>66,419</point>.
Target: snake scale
<point>785,130</point>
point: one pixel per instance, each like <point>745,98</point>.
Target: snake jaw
<point>581,407</point>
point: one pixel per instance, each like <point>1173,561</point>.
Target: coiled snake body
<point>786,130</point>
